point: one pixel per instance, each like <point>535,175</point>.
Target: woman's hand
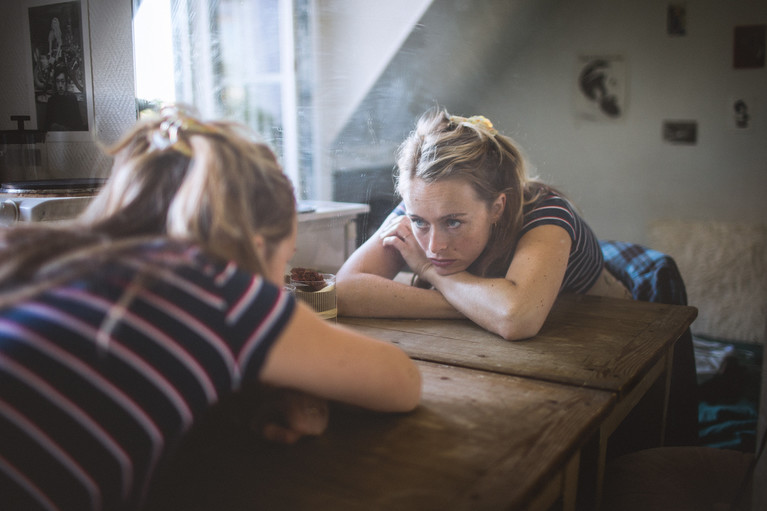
<point>398,233</point>
<point>286,415</point>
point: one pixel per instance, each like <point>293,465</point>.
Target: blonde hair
<point>444,146</point>
<point>173,178</point>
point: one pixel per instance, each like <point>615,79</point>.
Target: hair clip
<point>166,137</point>
<point>176,119</point>
<point>476,120</point>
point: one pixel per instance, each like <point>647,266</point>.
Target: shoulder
<point>551,209</point>
<point>242,308</point>
<point>187,276</point>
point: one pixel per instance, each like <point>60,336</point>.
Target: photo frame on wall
<point>601,87</point>
<point>741,112</point>
<point>680,132</point>
<point>676,19</point>
<point>749,42</point>
<point>60,61</point>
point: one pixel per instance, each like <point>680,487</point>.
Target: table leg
<point>661,373</point>
<point>561,489</point>
<point>667,391</point>
<point>570,483</point>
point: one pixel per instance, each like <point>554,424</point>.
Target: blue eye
<point>418,223</point>
<point>453,223</point>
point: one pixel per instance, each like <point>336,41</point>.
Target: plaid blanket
<point>649,275</point>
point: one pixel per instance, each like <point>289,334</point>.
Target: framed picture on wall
<point>601,87</point>
<point>676,19</point>
<point>61,68</point>
<point>749,44</point>
<point>680,132</point>
<point>740,112</point>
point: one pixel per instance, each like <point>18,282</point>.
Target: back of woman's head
<point>173,178</point>
<point>208,183</point>
<point>445,146</point>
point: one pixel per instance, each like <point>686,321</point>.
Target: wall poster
<point>740,112</point>
<point>60,53</point>
<point>680,132</point>
<point>601,88</point>
<point>749,46</point>
<point>676,19</point>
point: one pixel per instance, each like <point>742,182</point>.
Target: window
<point>232,59</point>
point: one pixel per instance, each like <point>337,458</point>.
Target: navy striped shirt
<point>586,260</point>
<point>95,392</point>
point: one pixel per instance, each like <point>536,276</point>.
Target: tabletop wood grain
<point>588,341</point>
<point>478,441</point>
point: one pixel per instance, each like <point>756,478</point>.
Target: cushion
<point>723,265</point>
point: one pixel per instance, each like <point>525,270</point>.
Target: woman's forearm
<point>495,304</point>
<point>368,295</point>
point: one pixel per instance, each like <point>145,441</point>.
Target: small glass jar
<point>323,301</point>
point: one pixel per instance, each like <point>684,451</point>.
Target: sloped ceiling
<point>451,55</point>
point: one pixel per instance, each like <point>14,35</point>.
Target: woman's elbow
<point>403,389</point>
<point>514,333</point>
<point>515,327</point>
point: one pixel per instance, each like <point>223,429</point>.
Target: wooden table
<point>606,344</point>
<point>478,441</point>
<point>619,346</point>
<point>502,425</point>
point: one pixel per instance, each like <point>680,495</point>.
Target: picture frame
<point>680,132</point>
<point>748,46</point>
<point>676,19</point>
<point>601,87</point>
<point>742,112</point>
<point>60,68</point>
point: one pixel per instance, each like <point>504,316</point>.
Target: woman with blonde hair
<point>118,330</point>
<point>483,239</point>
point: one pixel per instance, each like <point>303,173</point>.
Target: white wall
<point>113,84</point>
<point>623,175</point>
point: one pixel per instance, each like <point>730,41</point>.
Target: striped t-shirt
<point>586,260</point>
<point>94,392</point>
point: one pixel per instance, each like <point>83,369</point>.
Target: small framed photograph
<point>676,19</point>
<point>61,68</point>
<point>680,132</point>
<point>749,47</point>
<point>741,112</point>
<point>601,88</point>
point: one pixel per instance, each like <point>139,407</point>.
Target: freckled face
<point>452,225</point>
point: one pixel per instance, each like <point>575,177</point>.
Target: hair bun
<point>475,120</point>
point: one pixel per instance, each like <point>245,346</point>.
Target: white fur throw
<point>724,267</point>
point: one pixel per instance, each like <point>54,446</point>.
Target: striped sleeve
<point>586,261</point>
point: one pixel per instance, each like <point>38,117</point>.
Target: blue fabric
<point>649,275</point>
<point>729,426</point>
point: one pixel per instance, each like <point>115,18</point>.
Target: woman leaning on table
<point>118,330</point>
<point>484,240</point>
